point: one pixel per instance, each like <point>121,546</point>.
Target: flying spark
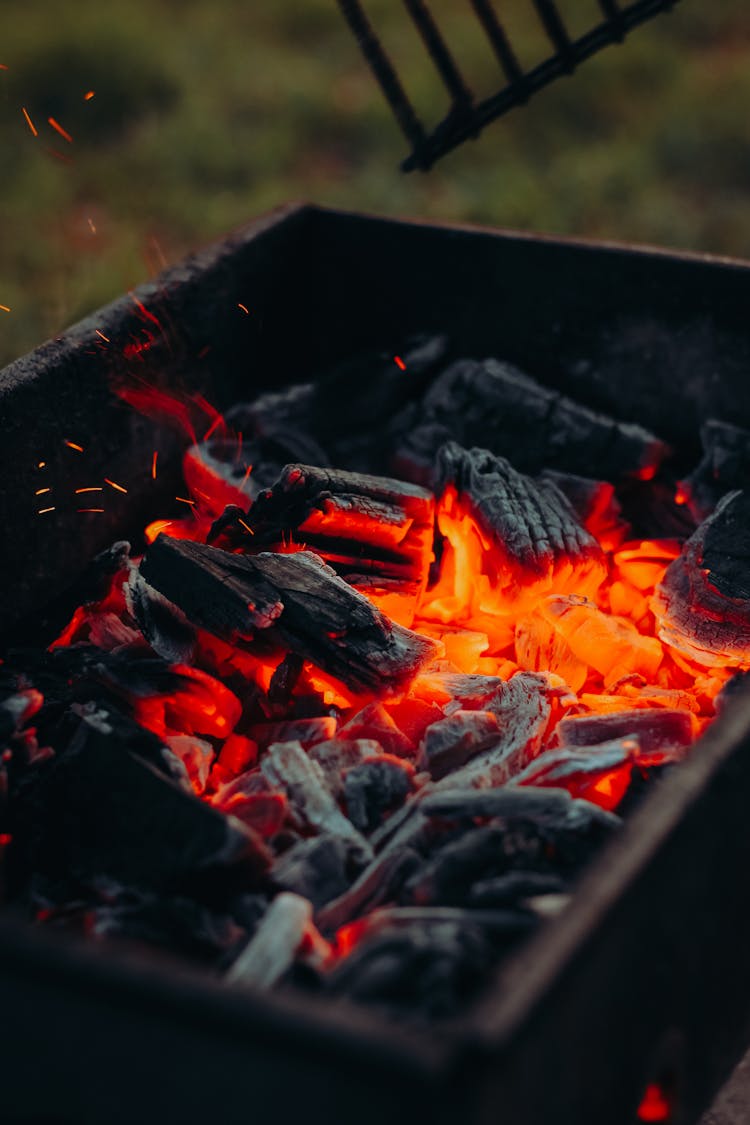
<point>29,122</point>
<point>42,465</point>
<point>93,488</point>
<point>91,509</point>
<point>43,510</point>
<point>73,445</point>
<point>183,500</point>
<point>41,491</point>
<point>399,362</point>
<point>105,338</point>
<point>4,308</point>
<point>244,308</point>
<point>87,97</point>
<point>153,464</point>
<point>248,529</point>
<point>114,484</point>
<point>59,129</point>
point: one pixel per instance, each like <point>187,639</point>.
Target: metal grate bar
<point>439,53</point>
<point>499,40</point>
<point>384,72</point>
<point>555,28</point>
<point>466,118</point>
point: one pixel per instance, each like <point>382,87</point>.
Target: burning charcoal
<point>452,742</point>
<point>287,766</point>
<point>515,887</point>
<point>163,625</point>
<point>195,754</point>
<point>523,533</point>
<point>341,421</point>
<point>305,731</point>
<point>265,813</point>
<point>236,755</point>
<point>270,953</point>
<point>595,505</point>
<point>374,722</point>
<point>570,635</point>
<point>725,466</point>
<point>469,692</point>
<point>295,600</point>
<point>353,521</point>
<point>318,869</point>
<point>284,680</point>
<point>374,787</point>
<point>340,754</point>
<point>702,604</point>
<point>494,405</point>
<point>98,810</point>
<point>506,801</point>
<point>600,774</point>
<point>523,710</point>
<point>662,735</point>
<point>430,967</point>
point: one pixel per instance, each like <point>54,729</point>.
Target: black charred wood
<point>374,787</point>
<point>451,742</point>
<point>531,524</point>
<point>319,869</point>
<point>293,599</point>
<point>495,406</point>
<point>98,810</point>
<point>702,604</point>
<point>724,467</point>
<point>512,888</point>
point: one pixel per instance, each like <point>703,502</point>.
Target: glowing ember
<point>29,122</point>
<point>654,1106</point>
<point>59,129</point>
<point>74,445</point>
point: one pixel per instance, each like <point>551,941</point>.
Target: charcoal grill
<point>466,116</point>
<point>646,977</point>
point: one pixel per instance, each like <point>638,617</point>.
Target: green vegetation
<point>205,115</point>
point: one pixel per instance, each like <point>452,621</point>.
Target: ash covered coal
<point>359,722</point>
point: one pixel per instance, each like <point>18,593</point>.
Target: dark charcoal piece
<point>164,626</point>
<point>379,883</point>
<point>374,787</point>
<point>353,521</point>
<point>510,889</point>
<point>340,754</point>
<point>595,504</point>
<point>522,707</point>
<point>497,407</point>
<point>450,743</point>
<point>468,691</point>
<point>343,408</point>
<point>273,947</point>
<point>287,767</point>
<point>660,734</point>
<point>725,466</point>
<point>506,801</point>
<point>534,532</point>
<point>98,810</point>
<point>318,869</point>
<point>177,924</point>
<point>295,600</point>
<point>702,604</point>
<point>428,968</point>
<point>305,731</point>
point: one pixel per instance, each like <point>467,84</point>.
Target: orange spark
<point>399,362</point>
<point>93,488</point>
<point>43,510</point>
<point>244,308</point>
<point>41,491</point>
<point>91,509</point>
<point>153,464</point>
<point>73,445</point>
<point>4,308</point>
<point>42,465</point>
<point>29,122</point>
<point>59,129</point>
<point>91,225</point>
<point>105,338</point>
<point>249,530</point>
<point>87,97</point>
<point>248,471</point>
<point>183,500</point>
<point>113,484</point>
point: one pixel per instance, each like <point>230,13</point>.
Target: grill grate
<point>467,116</point>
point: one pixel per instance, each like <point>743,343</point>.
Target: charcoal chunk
<point>450,743</point>
<point>724,467</point>
<point>374,787</point>
<point>318,869</point>
<point>496,406</point>
<point>656,730</point>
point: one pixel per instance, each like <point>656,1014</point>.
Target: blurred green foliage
<point>205,115</point>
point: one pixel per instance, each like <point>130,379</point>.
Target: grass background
<point>205,114</point>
